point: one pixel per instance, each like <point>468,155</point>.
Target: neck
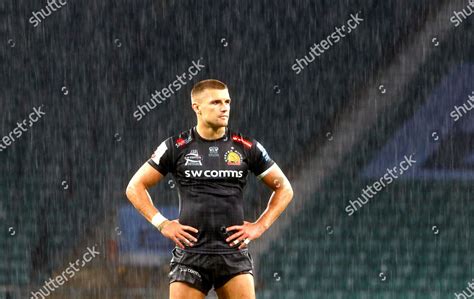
<point>210,133</point>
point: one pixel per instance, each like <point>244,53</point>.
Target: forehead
<point>214,94</point>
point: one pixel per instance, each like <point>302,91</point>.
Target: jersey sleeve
<point>162,159</point>
<point>259,160</point>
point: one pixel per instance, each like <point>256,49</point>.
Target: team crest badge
<point>233,157</point>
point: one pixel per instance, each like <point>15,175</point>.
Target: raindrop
<point>12,231</point>
<point>12,43</point>
<point>118,43</point>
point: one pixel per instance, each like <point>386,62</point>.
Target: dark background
<point>111,55</point>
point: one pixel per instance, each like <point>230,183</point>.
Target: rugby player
<point>210,164</point>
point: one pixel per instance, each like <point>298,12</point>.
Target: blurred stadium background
<point>381,93</point>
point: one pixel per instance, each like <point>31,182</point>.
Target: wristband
<point>158,220</point>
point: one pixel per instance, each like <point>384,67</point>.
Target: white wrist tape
<point>158,219</point>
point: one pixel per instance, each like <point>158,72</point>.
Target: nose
<point>225,107</point>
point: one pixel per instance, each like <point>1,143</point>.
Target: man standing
<point>210,164</point>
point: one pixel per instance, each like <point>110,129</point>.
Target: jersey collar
<point>223,138</point>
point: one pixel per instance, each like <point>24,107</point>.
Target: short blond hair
<point>201,86</point>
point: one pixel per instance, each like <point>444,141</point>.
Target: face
<point>214,106</point>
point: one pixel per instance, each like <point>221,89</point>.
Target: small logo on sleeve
<point>242,140</point>
<point>180,141</point>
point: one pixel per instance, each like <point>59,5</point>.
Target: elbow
<point>130,190</point>
<point>289,191</point>
<point>285,192</point>
<point>133,188</point>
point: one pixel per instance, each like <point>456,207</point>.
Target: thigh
<point>182,290</point>
<point>241,286</point>
<point>188,276</point>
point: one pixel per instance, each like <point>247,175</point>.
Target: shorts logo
<point>213,151</point>
<point>193,158</point>
<point>233,157</point>
<point>184,269</point>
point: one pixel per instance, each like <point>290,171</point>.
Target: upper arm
<point>146,176</point>
<point>266,169</point>
<point>275,179</point>
<point>259,160</point>
<point>153,171</point>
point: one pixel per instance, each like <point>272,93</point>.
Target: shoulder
<point>247,141</point>
<point>181,140</point>
<point>243,139</point>
<point>254,147</point>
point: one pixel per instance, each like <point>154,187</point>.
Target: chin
<point>221,123</point>
<point>218,124</point>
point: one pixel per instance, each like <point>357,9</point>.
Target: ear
<point>195,107</point>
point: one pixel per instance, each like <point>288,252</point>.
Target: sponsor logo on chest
<point>213,173</point>
<point>213,151</point>
<point>193,158</point>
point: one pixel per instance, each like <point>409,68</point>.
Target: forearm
<point>278,202</point>
<point>141,200</point>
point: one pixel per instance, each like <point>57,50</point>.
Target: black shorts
<point>203,271</point>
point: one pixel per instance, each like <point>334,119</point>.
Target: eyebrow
<point>223,99</point>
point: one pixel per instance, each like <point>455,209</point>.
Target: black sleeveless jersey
<point>210,176</point>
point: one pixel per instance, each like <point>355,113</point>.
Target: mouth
<point>224,117</point>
